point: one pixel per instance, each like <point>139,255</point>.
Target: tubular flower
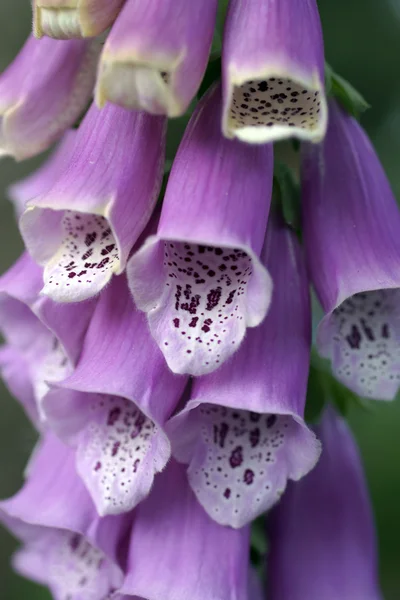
<point>43,339</point>
<point>352,237</point>
<point>43,92</point>
<point>200,279</point>
<point>114,406</point>
<point>156,54</point>
<point>83,228</point>
<point>64,19</point>
<point>273,71</point>
<point>242,432</point>
<point>65,545</point>
<point>322,539</point>
<point>189,539</point>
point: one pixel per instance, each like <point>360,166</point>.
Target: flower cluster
<point>158,327</point>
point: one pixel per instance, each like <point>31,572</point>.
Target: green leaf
<point>212,74</point>
<point>286,192</point>
<point>316,395</point>
<point>346,94</point>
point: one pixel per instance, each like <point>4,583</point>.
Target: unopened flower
<point>321,535</point>
<point>156,54</point>
<point>66,545</point>
<point>273,71</point>
<point>43,92</point>
<point>43,339</point>
<point>83,229</point>
<point>243,432</point>
<point>352,237</point>
<point>177,551</point>
<point>64,19</point>
<point>113,407</point>
<point>200,279</point>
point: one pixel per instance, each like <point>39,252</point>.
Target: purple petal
<point>114,406</point>
<point>190,539</point>
<point>44,339</point>
<point>243,432</point>
<point>322,541</point>
<point>352,237</point>
<point>273,71</point>
<point>200,280</point>
<point>83,229</point>
<point>65,19</point>
<point>156,54</point>
<point>43,92</point>
<point>55,518</point>
<point>43,178</point>
<point>14,371</point>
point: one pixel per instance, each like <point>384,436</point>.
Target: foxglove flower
<point>156,54</point>
<point>43,339</point>
<point>64,19</point>
<point>114,406</point>
<point>243,432</point>
<point>352,237</point>
<point>273,71</point>
<point>65,544</point>
<point>200,279</point>
<point>83,229</point>
<point>42,180</point>
<point>43,92</point>
<point>322,540</point>
<point>189,540</point>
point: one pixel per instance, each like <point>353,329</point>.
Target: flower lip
<point>361,337</point>
<point>58,23</point>
<point>211,283</point>
<point>274,103</point>
<point>86,256</point>
<point>140,83</point>
<point>240,461</point>
<point>67,19</point>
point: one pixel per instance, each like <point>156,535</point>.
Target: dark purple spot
<point>254,437</point>
<point>236,457</point>
<point>248,477</point>
<point>113,416</point>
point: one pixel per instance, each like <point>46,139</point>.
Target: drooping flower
<point>43,92</point>
<point>242,432</point>
<point>43,179</point>
<point>64,19</point>
<point>43,339</point>
<point>156,54</point>
<point>273,71</point>
<point>177,551</point>
<point>322,539</point>
<point>200,279</point>
<point>66,545</point>
<point>352,238</point>
<point>114,406</point>
<point>83,228</point>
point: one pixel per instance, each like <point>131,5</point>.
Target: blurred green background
<point>362,40</point>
